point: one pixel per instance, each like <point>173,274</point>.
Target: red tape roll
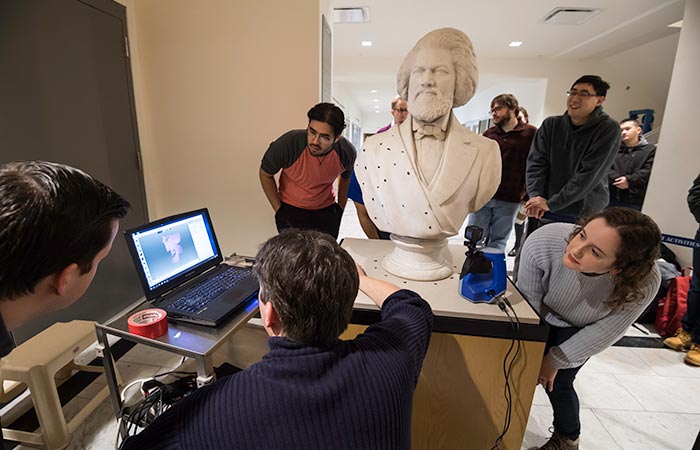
<point>150,323</point>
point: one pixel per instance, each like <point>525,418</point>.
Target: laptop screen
<point>171,248</point>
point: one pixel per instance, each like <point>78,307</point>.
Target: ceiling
<point>394,28</point>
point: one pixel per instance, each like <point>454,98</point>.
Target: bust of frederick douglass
<point>422,178</point>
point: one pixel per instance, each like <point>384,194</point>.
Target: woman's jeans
<point>563,397</point>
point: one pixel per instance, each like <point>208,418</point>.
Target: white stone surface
<point>638,430</point>
<point>605,391</point>
<point>675,395</point>
<point>618,360</point>
<point>442,295</point>
<point>667,363</point>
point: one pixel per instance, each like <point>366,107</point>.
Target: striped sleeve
<point>532,272</point>
<point>601,334</point>
<point>406,317</point>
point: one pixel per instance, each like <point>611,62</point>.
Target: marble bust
<point>421,179</point>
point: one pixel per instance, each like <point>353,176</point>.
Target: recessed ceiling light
<point>377,111</point>
<point>375,100</point>
<point>373,91</point>
<point>376,106</point>
<point>678,24</point>
<point>366,43</point>
<point>515,44</point>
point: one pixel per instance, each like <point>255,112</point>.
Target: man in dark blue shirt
<point>312,391</point>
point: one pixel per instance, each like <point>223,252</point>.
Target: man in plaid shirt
<point>514,138</point>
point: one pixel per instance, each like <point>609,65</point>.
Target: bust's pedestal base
<point>418,259</point>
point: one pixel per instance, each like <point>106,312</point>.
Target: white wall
<point>345,100</point>
<point>648,68</point>
<point>215,82</point>
<point>639,77</point>
<point>371,122</point>
<point>530,93</point>
<point>560,75</point>
<point>677,160</point>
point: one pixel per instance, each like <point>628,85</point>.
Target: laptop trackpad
<point>243,291</point>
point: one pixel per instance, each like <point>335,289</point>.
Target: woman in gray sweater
<point>589,283</point>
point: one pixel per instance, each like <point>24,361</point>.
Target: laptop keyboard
<point>203,294</point>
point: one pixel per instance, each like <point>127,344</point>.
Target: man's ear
<point>269,315</point>
<point>62,279</point>
<point>599,101</point>
<point>337,138</point>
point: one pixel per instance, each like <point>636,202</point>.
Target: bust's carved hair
<point>463,58</point>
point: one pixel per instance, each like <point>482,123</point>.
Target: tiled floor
<point>631,398</point>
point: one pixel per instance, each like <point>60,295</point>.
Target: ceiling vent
<point>570,15</point>
<point>356,14</point>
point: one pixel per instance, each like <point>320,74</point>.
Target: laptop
<point>181,269</point>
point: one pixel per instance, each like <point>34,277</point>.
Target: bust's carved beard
<point>429,108</point>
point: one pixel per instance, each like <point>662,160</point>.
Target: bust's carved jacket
<point>399,200</point>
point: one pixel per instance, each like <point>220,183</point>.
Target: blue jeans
<point>691,318</point>
<point>496,218</point>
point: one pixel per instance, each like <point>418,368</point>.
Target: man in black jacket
<point>629,175</point>
<point>688,336</point>
<point>570,158</point>
<point>571,155</point>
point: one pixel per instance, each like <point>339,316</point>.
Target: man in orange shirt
<point>310,161</point>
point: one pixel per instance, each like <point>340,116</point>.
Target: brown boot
<point>559,442</point>
<point>693,355</point>
<point>680,341</point>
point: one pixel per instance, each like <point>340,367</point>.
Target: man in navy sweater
<point>312,390</point>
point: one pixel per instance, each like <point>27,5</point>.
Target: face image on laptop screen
<point>172,248</point>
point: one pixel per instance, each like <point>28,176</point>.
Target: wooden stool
<point>35,364</point>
